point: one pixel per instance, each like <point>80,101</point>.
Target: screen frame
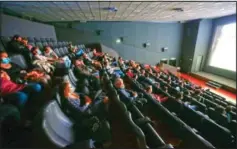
<point>215,70</point>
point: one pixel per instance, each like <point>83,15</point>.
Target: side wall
<point>13,25</point>
<point>135,34</point>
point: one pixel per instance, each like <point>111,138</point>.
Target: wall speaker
<point>98,32</point>
<point>164,49</point>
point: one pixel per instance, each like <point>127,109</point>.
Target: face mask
<point>6,60</point>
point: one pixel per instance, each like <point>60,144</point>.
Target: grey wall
<point>189,41</point>
<point>202,42</point>
<point>134,34</point>
<point>68,34</point>
<point>13,25</point>
<point>214,70</point>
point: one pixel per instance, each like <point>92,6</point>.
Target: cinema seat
<point>5,40</point>
<point>31,39</point>
<point>37,39</point>
<point>39,45</point>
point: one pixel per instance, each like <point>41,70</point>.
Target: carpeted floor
<point>228,95</point>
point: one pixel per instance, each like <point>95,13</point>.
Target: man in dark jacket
<point>15,46</point>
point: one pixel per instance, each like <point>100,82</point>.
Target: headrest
<point>19,60</point>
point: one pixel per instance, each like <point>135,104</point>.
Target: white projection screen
<point>223,50</point>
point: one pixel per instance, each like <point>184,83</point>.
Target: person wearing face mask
<point>17,74</point>
<point>17,94</point>
<point>131,95</point>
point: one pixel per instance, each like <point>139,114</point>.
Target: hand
<point>134,94</point>
<point>87,100</point>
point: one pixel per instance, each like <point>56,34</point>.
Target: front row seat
<point>55,128</point>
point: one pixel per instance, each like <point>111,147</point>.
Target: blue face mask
<point>6,60</point>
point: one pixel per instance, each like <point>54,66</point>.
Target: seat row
<point>40,42</point>
<point>178,127</point>
<point>219,136</point>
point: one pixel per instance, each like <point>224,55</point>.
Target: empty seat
<point>5,40</point>
<point>37,39</point>
<point>60,52</point>
<point>31,39</point>
<point>50,44</point>
<point>32,43</point>
<point>55,45</point>
<point>39,45</point>
<point>218,117</point>
<point>47,39</point>
<point>57,51</point>
<point>52,40</point>
<point>44,44</point>
<point>43,40</point>
<point>60,44</point>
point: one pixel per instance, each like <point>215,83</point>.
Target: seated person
<point>186,103</point>
<point>97,55</point>
<point>129,73</point>
<point>228,109</point>
<point>41,61</point>
<point>48,52</point>
<point>155,96</point>
<point>147,75</point>
<point>17,94</point>
<point>131,95</point>
<point>87,106</point>
<point>113,70</point>
<point>17,47</point>
<point>25,43</point>
<point>16,72</point>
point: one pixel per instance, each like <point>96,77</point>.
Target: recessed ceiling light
<point>62,19</point>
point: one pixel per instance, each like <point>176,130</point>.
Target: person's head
<point>4,75</point>
<point>118,83</point>
<point>70,45</point>
<point>17,38</point>
<point>47,49</point>
<point>35,51</point>
<point>143,72</point>
<point>180,96</point>
<point>24,41</point>
<point>228,109</point>
<point>94,50</point>
<point>149,89</point>
<point>147,75</point>
<point>4,58</point>
<point>128,70</point>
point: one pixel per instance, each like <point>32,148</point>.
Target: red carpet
<point>203,84</point>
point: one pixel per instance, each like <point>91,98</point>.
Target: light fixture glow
<point>118,40</point>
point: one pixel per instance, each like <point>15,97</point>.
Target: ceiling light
<point>111,9</point>
<point>62,19</point>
